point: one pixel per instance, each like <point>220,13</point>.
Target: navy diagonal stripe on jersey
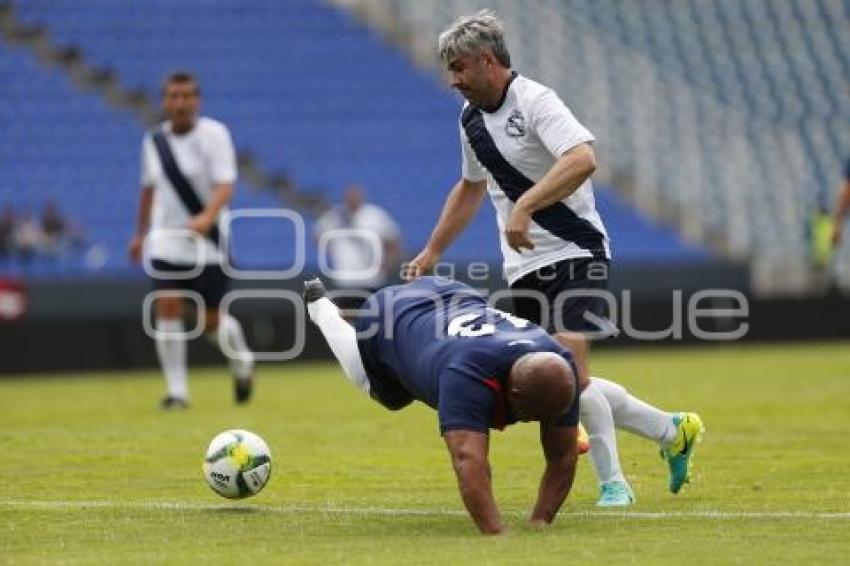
<point>184,189</point>
<point>558,218</point>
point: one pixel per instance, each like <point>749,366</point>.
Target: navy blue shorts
<point>384,387</point>
<point>583,306</point>
<point>211,284</point>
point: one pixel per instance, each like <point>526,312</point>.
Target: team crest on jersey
<point>515,126</point>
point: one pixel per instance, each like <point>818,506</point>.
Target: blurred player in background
<point>438,342</point>
<point>538,158</point>
<point>842,207</point>
<point>361,264</point>
<point>188,174</point>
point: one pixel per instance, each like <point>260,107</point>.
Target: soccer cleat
<point>314,290</point>
<point>243,388</point>
<point>615,494</point>
<point>173,403</point>
<point>689,431</point>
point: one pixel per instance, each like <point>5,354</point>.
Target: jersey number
<point>469,325</point>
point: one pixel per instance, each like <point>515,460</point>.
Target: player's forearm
<point>477,493</point>
<point>222,194</point>
<point>143,218</point>
<point>568,173</point>
<point>463,202</point>
<point>555,485</point>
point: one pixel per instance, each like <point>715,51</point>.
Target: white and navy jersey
<point>206,157</point>
<point>513,147</point>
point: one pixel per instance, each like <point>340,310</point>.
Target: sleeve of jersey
<point>471,169</point>
<point>465,403</point>
<point>223,157</point>
<point>555,125</point>
<point>145,173</point>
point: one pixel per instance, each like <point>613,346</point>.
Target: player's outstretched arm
<point>468,450</point>
<point>463,202</point>
<point>560,447</point>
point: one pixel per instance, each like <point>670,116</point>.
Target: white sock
<point>240,358</point>
<point>595,414</point>
<point>342,339</point>
<point>171,349</point>
<point>634,415</point>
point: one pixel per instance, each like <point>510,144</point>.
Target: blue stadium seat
<point>303,86</point>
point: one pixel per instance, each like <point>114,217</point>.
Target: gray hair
<point>469,35</point>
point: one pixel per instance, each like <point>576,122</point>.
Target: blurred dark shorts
<point>211,283</point>
<point>570,295</point>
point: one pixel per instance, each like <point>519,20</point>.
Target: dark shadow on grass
<point>235,510</point>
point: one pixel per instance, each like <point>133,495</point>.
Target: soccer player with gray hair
<point>522,144</point>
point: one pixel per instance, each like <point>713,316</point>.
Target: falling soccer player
<point>438,342</point>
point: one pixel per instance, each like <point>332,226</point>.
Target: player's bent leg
<point>340,335</point>
<point>595,414</point>
<point>171,351</point>
<point>598,420</point>
<point>634,415</point>
<point>676,433</point>
<point>579,346</point>
<point>224,331</point>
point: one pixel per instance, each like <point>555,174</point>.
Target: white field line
<point>289,509</point>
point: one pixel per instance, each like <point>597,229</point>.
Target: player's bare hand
<point>135,248</point>
<point>420,265</point>
<point>538,524</point>
<point>202,224</point>
<point>516,230</point>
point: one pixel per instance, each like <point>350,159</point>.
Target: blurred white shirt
<point>206,157</point>
<point>355,244</point>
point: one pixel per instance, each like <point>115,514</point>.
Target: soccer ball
<point>238,464</point>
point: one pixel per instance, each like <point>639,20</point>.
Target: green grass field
<point>93,472</point>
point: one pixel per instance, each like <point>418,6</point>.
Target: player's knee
<point>212,320</point>
<point>169,307</point>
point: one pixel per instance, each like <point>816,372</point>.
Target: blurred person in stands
<point>842,207</point>
<point>28,238</point>
<point>188,171</point>
<point>7,230</point>
<point>59,232</point>
<point>363,246</point>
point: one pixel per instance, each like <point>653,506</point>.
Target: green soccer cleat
<point>689,431</point>
<point>615,494</point>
